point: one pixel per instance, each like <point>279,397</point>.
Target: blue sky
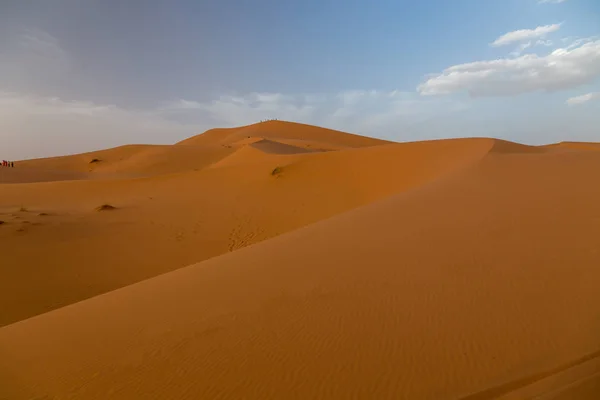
<point>78,75</point>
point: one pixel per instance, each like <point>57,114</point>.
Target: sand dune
<point>197,152</point>
<point>123,162</point>
<point>452,269</point>
<point>28,174</point>
<point>175,220</point>
<point>282,130</point>
<point>576,145</point>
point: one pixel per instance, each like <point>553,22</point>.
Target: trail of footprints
<point>243,234</point>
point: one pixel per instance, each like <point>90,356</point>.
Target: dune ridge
<point>282,130</point>
<point>449,269</point>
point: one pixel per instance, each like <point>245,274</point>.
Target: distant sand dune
<point>125,162</point>
<point>281,130</point>
<point>506,147</point>
<point>577,145</point>
<point>461,269</point>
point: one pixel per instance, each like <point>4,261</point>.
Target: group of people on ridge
<point>8,164</point>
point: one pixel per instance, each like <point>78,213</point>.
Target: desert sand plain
<point>286,261</point>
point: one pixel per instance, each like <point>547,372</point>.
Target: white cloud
<point>551,1</point>
<point>525,35</point>
<point>578,41</point>
<point>573,101</point>
<point>519,50</point>
<point>530,45</point>
<point>546,43</point>
<point>563,68</point>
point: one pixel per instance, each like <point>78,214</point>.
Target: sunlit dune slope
<point>166,222</point>
<point>479,284</point>
<point>300,133</point>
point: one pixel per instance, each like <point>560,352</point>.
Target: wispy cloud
<point>523,35</point>
<point>36,41</point>
<point>573,101</point>
<point>551,1</point>
<point>31,59</point>
<point>563,68</point>
<point>530,45</point>
<point>363,111</point>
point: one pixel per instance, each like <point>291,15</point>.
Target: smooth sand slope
<point>67,251</point>
<point>463,269</point>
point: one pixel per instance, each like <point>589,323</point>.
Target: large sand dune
<point>283,131</point>
<point>451,269</point>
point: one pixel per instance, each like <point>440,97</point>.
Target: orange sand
<point>286,261</point>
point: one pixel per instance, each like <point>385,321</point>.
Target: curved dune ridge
<point>446,269</point>
<point>282,130</point>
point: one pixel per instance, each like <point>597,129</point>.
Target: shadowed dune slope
<point>282,130</point>
<point>506,147</point>
<point>482,284</point>
<point>166,222</point>
<point>272,147</point>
